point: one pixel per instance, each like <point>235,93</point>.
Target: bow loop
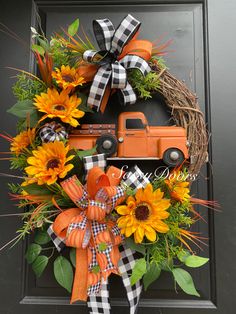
<point>104,31</point>
<point>96,180</point>
<point>124,33</point>
<point>135,62</point>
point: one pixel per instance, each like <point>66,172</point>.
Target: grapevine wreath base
<point>70,194</point>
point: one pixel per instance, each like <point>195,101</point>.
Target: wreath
<point>113,221</point>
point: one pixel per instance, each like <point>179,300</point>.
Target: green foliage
<point>38,49</point>
<point>160,60</point>
<point>102,246</point>
<point>33,257</point>
<point>41,237</point>
<point>185,281</point>
<point>35,189</point>
<point>134,246</point>
<point>27,87</point>
<point>63,272</point>
<point>152,274</point>
<point>83,153</point>
<point>24,110</point>
<point>96,269</point>
<point>144,85</point>
<point>138,271</point>
<point>14,188</point>
<point>19,162</point>
<point>73,28</point>
<point>195,261</point>
<point>33,252</point>
<point>60,55</point>
<point>39,265</point>
<point>182,255</point>
<point>83,106</point>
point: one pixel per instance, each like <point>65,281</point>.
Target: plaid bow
<point>113,63</point>
<point>98,300</point>
<point>90,230</point>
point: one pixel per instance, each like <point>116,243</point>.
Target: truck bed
<point>95,129</point>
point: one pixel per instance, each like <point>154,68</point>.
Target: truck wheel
<point>106,144</point>
<point>173,157</point>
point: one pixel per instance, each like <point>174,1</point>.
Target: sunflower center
<point>142,212</point>
<point>59,107</point>
<point>53,163</point>
<point>68,78</point>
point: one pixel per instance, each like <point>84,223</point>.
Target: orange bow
<point>90,230</point>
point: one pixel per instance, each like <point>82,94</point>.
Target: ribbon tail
<point>100,303</point>
<point>98,88</point>
<point>125,265</point>
<point>128,95</point>
<point>80,285</point>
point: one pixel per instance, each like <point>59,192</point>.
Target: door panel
<point>186,23</point>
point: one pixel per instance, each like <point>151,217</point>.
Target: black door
<point>204,57</point>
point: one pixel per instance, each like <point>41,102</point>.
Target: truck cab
<point>137,138</point>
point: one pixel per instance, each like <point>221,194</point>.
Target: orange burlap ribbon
<point>90,229</point>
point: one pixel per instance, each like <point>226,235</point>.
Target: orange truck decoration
<point>133,139</point>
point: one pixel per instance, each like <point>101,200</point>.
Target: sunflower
<point>178,186</point>
<point>59,105</point>
<point>67,77</point>
<point>142,215</point>
<point>22,141</point>
<point>48,163</point>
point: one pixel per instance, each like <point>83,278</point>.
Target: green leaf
<point>42,237</point>
<point>32,252</point>
<point>38,49</point>
<point>83,106</point>
<point>84,153</point>
<point>73,256</point>
<point>138,271</point>
<point>63,272</point>
<point>133,246</point>
<point>182,255</point>
<point>195,261</point>
<point>185,281</point>
<point>167,264</point>
<point>96,269</point>
<point>102,246</point>
<point>43,43</point>
<point>151,275</point>
<point>22,108</point>
<point>35,189</point>
<point>73,27</point>
<point>39,265</point>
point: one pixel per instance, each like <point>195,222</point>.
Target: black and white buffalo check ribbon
<point>98,300</point>
<point>98,160</point>
<point>100,303</point>
<point>112,70</point>
<point>134,179</point>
